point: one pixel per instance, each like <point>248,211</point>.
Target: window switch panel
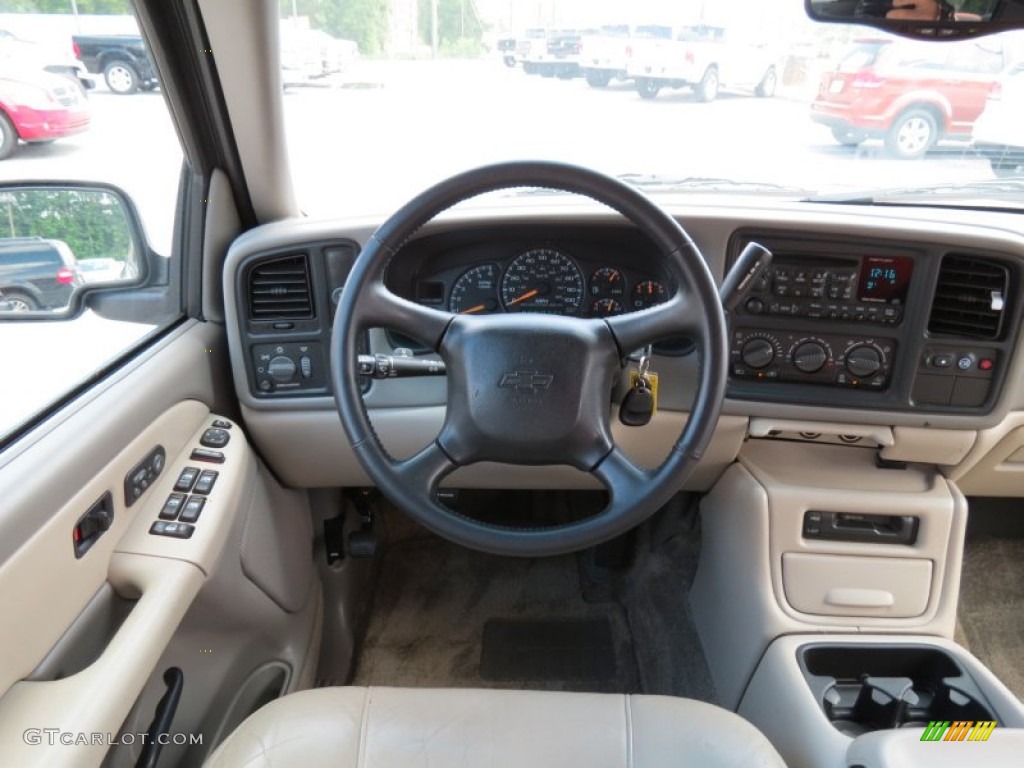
<point>186,479</point>
<point>172,506</point>
<point>192,509</point>
<point>205,482</point>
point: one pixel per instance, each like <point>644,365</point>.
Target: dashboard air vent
<point>279,289</point>
<point>969,298</point>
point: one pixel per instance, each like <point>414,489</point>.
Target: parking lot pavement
<point>367,140</point>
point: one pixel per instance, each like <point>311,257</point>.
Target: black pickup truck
<point>122,59</point>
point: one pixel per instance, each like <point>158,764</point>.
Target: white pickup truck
<point>605,54</point>
<point>703,58</point>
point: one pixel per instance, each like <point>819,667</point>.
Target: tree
<point>85,7</point>
<point>365,21</point>
<point>459,29</point>
<point>92,223</point>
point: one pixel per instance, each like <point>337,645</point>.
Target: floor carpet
<point>991,614</point>
<point>434,600</point>
<point>446,616</point>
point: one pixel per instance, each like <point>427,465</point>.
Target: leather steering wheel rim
<point>554,424</point>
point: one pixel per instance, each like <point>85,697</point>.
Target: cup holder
<point>865,688</point>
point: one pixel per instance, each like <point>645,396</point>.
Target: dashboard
<point>881,319</point>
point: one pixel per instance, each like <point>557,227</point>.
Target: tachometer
<point>476,291</point>
<point>543,280</point>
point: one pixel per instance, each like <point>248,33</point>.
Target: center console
<point>871,324</point>
<point>825,599</point>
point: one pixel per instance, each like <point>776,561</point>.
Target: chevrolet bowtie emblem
<point>528,380</point>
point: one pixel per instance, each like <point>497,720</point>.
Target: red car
<point>909,93</point>
<point>37,106</point>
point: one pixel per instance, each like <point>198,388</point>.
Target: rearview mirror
<point>58,242</point>
<point>923,18</point>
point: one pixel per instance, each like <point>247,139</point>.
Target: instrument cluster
<point>543,278</point>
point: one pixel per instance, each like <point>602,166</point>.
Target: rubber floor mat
<point>560,649</point>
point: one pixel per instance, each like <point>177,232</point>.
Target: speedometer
<point>543,280</point>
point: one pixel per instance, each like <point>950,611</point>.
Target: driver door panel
<point>84,631</point>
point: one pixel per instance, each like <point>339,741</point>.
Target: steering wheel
<point>531,389</point>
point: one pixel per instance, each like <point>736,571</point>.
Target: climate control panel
<point>812,358</point>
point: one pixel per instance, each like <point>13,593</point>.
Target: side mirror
<point>930,19</point>
<point>61,243</point>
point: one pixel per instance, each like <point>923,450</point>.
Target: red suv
<point>911,94</point>
<point>37,106</point>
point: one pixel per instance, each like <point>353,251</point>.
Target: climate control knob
<point>757,353</point>
<point>282,369</point>
<point>864,360</point>
<point>810,357</point>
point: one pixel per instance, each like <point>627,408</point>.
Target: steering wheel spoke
<point>623,479</point>
<point>424,471</point>
<point>678,316</point>
<point>380,308</point>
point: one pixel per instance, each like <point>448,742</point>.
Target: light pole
<point>78,21</point>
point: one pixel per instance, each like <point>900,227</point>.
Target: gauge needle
<point>471,310</point>
<point>524,297</point>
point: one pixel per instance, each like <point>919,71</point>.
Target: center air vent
<point>279,289</point>
<point>969,298</point>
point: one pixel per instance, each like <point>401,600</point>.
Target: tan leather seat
<point>413,728</point>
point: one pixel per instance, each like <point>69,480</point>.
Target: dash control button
<point>215,438</point>
<point>222,424</point>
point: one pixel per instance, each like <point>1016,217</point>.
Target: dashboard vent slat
<point>968,300</point>
<point>280,289</point>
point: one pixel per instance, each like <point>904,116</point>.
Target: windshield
<point>750,94</point>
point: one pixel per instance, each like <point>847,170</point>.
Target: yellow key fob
<point>652,384</point>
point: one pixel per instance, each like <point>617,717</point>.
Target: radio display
<point>885,279</point>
